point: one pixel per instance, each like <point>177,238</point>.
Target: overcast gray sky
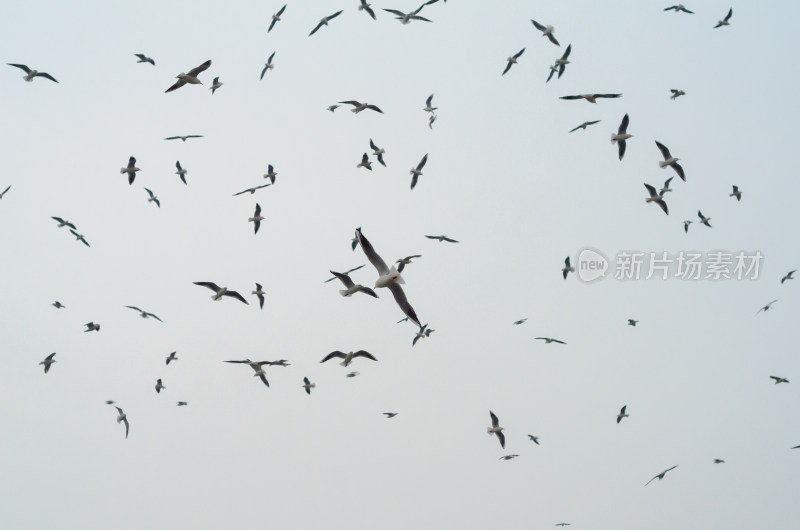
<point>504,177</point>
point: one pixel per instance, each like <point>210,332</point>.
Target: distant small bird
<point>766,307</point>
<point>584,125</point>
<point>512,60</point>
<point>171,357</point>
<point>358,106</point>
<point>308,385</point>
<point>181,172</point>
<point>153,198</point>
<point>390,414</point>
<point>666,188</point>
<point>61,222</point>
<point>534,439</point>
<point>354,241</point>
<point>567,268</point>
<point>405,18</point>
<point>350,287</point>
<point>724,21</point>
<point>442,238</point>
<point>417,171</point>
<point>324,21</point>
<point>184,138</point>
<point>143,314</point>
<point>159,386</point>
<point>365,162</point>
<point>508,457</point>
<point>32,73</point>
<point>520,321</point>
<point>364,6</point>
<point>678,8</point>
<point>252,190</point>
<point>592,98</point>
<point>48,361</point>
<point>91,326</point>
<point>346,272</point>
<point>256,219</point>
<point>496,430</point>
<point>215,85</point>
<point>58,305</point>
<point>547,31</point>
<point>182,403</point>
<point>622,414</point>
<point>632,322</point>
<point>719,461</point>
<point>402,320</point>
<point>676,93</point>
<point>621,135</point>
<point>428,103</point>
<point>788,276</point>
<point>271,173</point>
<point>348,357</point>
<point>259,292</point>
<point>258,367</point>
<point>431,120</point>
<point>131,170</point>
<point>333,108</point>
<point>421,334</point>
<point>122,417</point>
<point>144,59</point>
<point>6,191</point>
<point>670,160</point>
<point>686,226</point>
<point>276,17</point>
<point>405,261</point>
<point>221,291</point>
<point>377,152</point>
<point>79,237</point>
<point>352,374</point>
<point>268,65</point>
<point>548,340</point>
<point>703,220</point>
<point>563,524</point>
<point>660,475</point>
<point>656,198</point>
<point>736,193</point>
<point>190,77</point>
<point>796,447</point>
<point>560,64</point>
<point>779,380</point>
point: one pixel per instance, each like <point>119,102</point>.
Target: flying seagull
<point>417,171</point>
<point>144,59</point>
<point>788,276</point>
<point>259,292</point>
<point>548,340</point>
<point>221,291</point>
<point>592,98</point>
<point>703,220</point>
<point>348,357</point>
<point>779,380</point>
<point>719,461</point>
<point>632,322</point>
<point>567,268</point>
<point>520,321</point>
<point>428,103</point>
<point>365,162</point>
<point>670,160</point>
<point>660,475</point>
<point>346,272</point>
<point>421,334</point>
<point>181,172</point>
<point>61,222</point>
<point>308,385</point>
<point>351,374</point>
<point>324,21</point>
<point>390,414</point>
<point>252,190</point>
<point>354,241</point>
<point>268,65</point>
<point>48,361</point>
<point>621,135</point>
<point>184,138</point>
<point>442,238</point>
<point>91,326</point>
<point>534,439</point>
<point>584,125</point>
<point>736,193</point>
<point>656,198</point>
<point>332,108</point>
<point>364,6</point>
<point>676,93</point>
<point>405,18</point>
<point>257,366</point>
<point>405,261</point>
<point>508,457</point>
<point>666,187</point>
<point>560,64</point>
<point>724,21</point>
<point>182,403</point>
<point>622,414</point>
<point>153,198</point>
<point>191,77</point>
<point>32,73</point>
<point>159,386</point>
<point>79,237</point>
<point>6,190</point>
<point>512,60</point>
<point>171,357</point>
<point>123,418</point>
<point>352,288</point>
<point>256,219</point>
<point>496,429</point>
<point>678,8</point>
<point>215,85</point>
<point>271,174</point>
<point>58,305</point>
<point>276,17</point>
<point>143,314</point>
<point>766,307</point>
<point>563,524</point>
<point>377,152</point>
<point>358,106</point>
<point>388,278</point>
<point>431,120</point>
<point>547,31</point>
<point>130,170</point>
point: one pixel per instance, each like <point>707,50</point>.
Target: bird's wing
<point>429,100</point>
<point>203,67</point>
<point>508,67</point>
<point>154,316</point>
<point>395,12</point>
<point>179,83</point>
<point>330,17</point>
<point>663,205</point>
<point>519,53</point>
<point>373,146</point>
<point>612,96</point>
<point>621,145</point>
<point>211,285</point>
<point>364,353</point>
<point>345,279</point>
<point>559,341</point>
<point>333,354</point>
<point>279,13</point>
<point>134,307</point>
<point>264,71</point>
<point>258,210</point>
<point>664,150</point>
<point>316,28</point>
<point>729,15</point>
<point>236,295</point>
<point>495,421</point>
<point>355,269</point>
<point>622,410</point>
<point>178,165</point>
<point>172,138</point>
<point>131,163</point>
<point>127,426</point>
<point>375,108</point>
<point>402,301</point>
<point>372,256</point>
<point>367,290</point>
<point>422,162</point>
<point>46,76</point>
<point>502,438</point>
<point>141,56</point>
<point>263,379</point>
<point>679,170</point>
<point>553,39</point>
<point>623,127</point>
<point>571,97</point>
<point>538,26</point>
<point>149,192</point>
<point>22,66</point>
<point>651,190</point>
<point>566,53</point>
<point>450,240</point>
<point>579,126</point>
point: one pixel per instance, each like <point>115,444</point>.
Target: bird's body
<point>622,413</point>
<point>30,74</point>
<point>348,357</point>
<point>736,193</point>
<point>719,461</point>
<point>221,291</point>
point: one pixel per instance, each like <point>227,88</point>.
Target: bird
<point>131,170</point>
<point>190,77</point>
<point>676,93</point>
<point>346,272</point>
<point>561,63</point>
<point>252,190</point>
<point>520,321</point>
<point>348,357</point>
<point>271,174</point>
<point>656,198</point>
<point>256,219</point>
<point>534,439</point>
<point>670,160</point>
<point>364,6</point>
<point>567,268</point>
<point>390,414</point>
<point>268,65</point>
<point>388,278</point>
<point>547,31</point>
<point>332,107</point>
<point>122,417</point>
<point>6,190</point>
<point>48,361</point>
<point>215,85</point>
<point>402,320</point>
<point>592,98</point>
<point>257,366</point>
<point>58,305</point>
<point>703,220</point>
<point>171,357</point>
<point>354,241</point>
<point>678,8</point>
<point>405,261</point>
<point>442,238</point>
<point>719,461</point>
<point>91,326</point>
<point>584,125</point>
<point>276,17</point>
<point>512,60</point>
<point>660,475</point>
<point>548,340</point>
<point>428,103</point>
<point>724,21</point>
<point>159,386</point>
<point>632,322</point>
<point>431,120</point>
<point>184,138</point>
<point>621,135</point>
<point>182,403</point>
<point>563,524</point>
<point>143,314</point>
<point>788,276</point>
<point>365,162</point>
<point>421,334</point>
<point>352,288</point>
<point>405,18</point>
<point>324,21</point>
<point>686,226</point>
<point>61,222</point>
<point>260,294</point>
<point>32,73</point>
<point>796,447</point>
<point>358,106</point>
<point>308,385</point>
<point>622,414</point>
<point>736,193</point>
<point>779,380</point>
<point>666,187</point>
<point>497,430</point>
<point>153,198</point>
<point>79,237</point>
<point>377,152</point>
<point>222,291</point>
<point>766,307</point>
<point>351,374</point>
<point>144,59</point>
<point>508,457</point>
<point>181,172</point>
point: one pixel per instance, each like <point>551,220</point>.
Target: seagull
<point>388,278</point>
<point>79,237</point>
<point>352,374</point>
<point>352,288</point>
<point>678,8</point>
<point>547,31</point>
<point>779,380</point>
<point>276,17</point>
<point>159,386</point>
<point>354,241</point>
<point>766,307</point>
<point>567,268</point>
<point>130,170</point>
<point>431,120</point>
<point>358,106</point>
<point>405,18</point>
<point>6,190</point>
<point>377,152</point>
<point>584,125</point>
<point>123,418</point>
<point>181,172</point>
<point>508,457</point>
<point>47,362</point>
<point>421,334</point>
<point>622,414</point>
<point>260,294</point>
<point>787,277</point>
<point>171,357</point>
<point>191,77</point>
<point>333,108</point>
<point>256,219</point>
<point>428,103</point>
<point>182,403</point>
<point>666,187</point>
<point>563,524</point>
<point>364,6</point>
<point>512,60</point>
<point>184,138</point>
<point>143,314</point>
<point>724,21</point>
<point>686,226</point>
<point>736,193</point>
<point>144,59</point>
<point>58,305</point>
<point>534,439</point>
<point>442,238</point>
<point>32,73</point>
<point>670,160</point>
<point>215,85</point>
<point>347,272</point>
<point>348,357</point>
<point>719,461</point>
<point>656,198</point>
<point>252,190</point>
<point>257,366</point>
<point>632,322</point>
<point>405,261</point>
<point>496,429</point>
<point>660,475</point>
<point>591,98</point>
<point>222,291</point>
<point>621,135</point>
<point>324,21</point>
<point>271,174</point>
<point>61,222</point>
<point>520,321</point>
<point>308,385</point>
<point>91,326</point>
<point>268,65</point>
<point>548,340</point>
<point>402,320</point>
<point>796,447</point>
<point>153,198</point>
<point>365,162</point>
<point>390,414</point>
<point>676,93</point>
<point>560,63</point>
<point>703,220</point>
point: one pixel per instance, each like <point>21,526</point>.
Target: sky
<point>504,177</point>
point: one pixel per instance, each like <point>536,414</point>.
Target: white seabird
<point>215,85</point>
<point>144,59</point>
<point>181,172</point>
<point>678,8</point>
<point>61,222</point>
<point>442,238</point>
<point>561,63</point>
<point>724,21</point>
<point>159,386</point>
<point>431,120</point>
<point>91,326</point>
<point>143,314</point>
<point>259,292</point>
<point>332,108</point>
<point>182,403</point>
<point>48,361</point>
<point>567,268</point>
<point>79,237</point>
<point>428,103</point>
<point>358,106</point>
<point>736,193</point>
<point>548,340</point>
<point>417,171</point>
<point>256,219</point>
<point>670,160</point>
<point>405,261</point>
<point>632,322</point>
<point>622,414</point>
<point>534,439</point>
<point>123,418</point>
<point>221,291</point>
<point>324,21</point>
<point>271,174</point>
<point>257,366</point>
<point>365,162</point>
<point>704,220</point>
<point>131,170</point>
<point>788,276</point>
<point>190,77</point>
<point>153,198</point>
<point>497,430</point>
<point>512,60</point>
<point>32,73</point>
<point>276,17</point>
<point>346,272</point>
<point>184,138</point>
<point>719,461</point>
<point>352,288</point>
<point>308,385</point>
<point>352,374</point>
<point>676,93</point>
<point>364,6</point>
<point>405,18</point>
<point>621,135</point>
<point>686,226</point>
<point>656,198</point>
<point>520,321</point>
<point>390,414</point>
<point>508,457</point>
<point>547,31</point>
<point>348,357</point>
<point>268,66</point>
<point>666,187</point>
<point>584,125</point>
<point>660,475</point>
<point>592,98</point>
<point>171,357</point>
<point>252,190</point>
<point>767,307</point>
<point>377,152</point>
